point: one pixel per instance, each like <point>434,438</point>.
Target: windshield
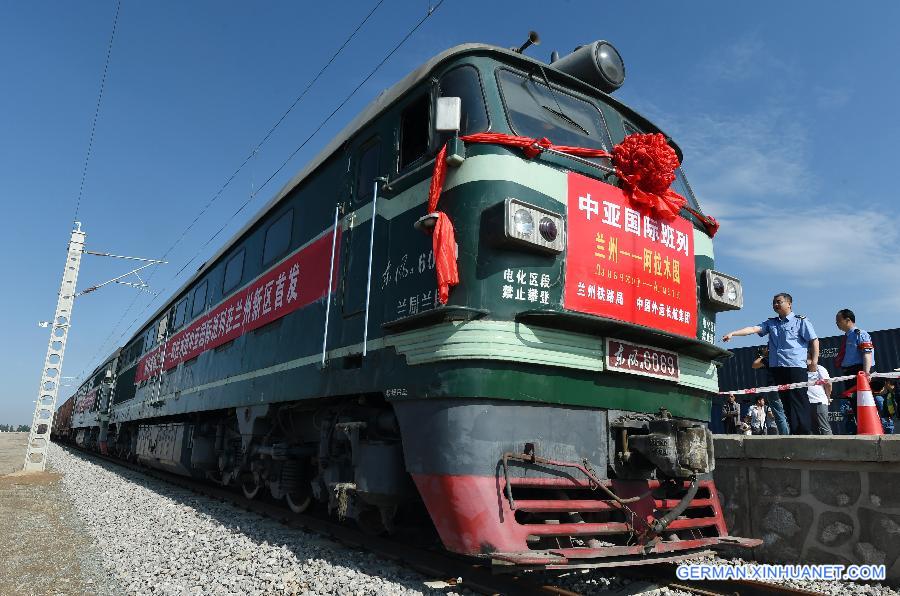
<point>538,111</point>
<point>682,187</point>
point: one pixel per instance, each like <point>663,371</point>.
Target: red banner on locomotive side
<point>624,265</point>
<point>296,282</point>
<point>86,402</point>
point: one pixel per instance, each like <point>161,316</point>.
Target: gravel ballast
<point>160,539</point>
<point>156,538</point>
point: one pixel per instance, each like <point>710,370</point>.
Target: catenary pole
<point>51,375</point>
<point>45,407</point>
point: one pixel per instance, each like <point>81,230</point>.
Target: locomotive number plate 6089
<point>637,359</point>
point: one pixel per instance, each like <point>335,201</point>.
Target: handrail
<point>337,209</point>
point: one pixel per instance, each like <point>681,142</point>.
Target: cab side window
<point>464,82</point>
<point>199,299</point>
<point>414,131</point>
<point>234,270</point>
<point>151,337</point>
<point>367,171</point>
<point>278,238</point>
<point>180,312</point>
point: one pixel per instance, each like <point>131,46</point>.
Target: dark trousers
<point>796,402</point>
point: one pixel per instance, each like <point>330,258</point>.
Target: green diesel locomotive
<point>465,305</point>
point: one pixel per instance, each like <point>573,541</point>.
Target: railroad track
<point>430,563</point>
<point>438,565</point>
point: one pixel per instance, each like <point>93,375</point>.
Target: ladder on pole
<point>51,375</point>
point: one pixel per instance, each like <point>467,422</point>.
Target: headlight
<point>547,235</point>
<point>598,64</point>
<point>524,223</point>
<point>731,292</point>
<point>723,291</point>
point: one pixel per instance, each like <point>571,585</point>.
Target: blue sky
<point>785,111</point>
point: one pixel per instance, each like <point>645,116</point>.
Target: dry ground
<point>42,551</point>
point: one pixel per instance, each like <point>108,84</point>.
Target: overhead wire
<point>90,147</point>
<point>252,196</point>
<point>228,181</point>
<point>271,130</point>
<point>312,134</point>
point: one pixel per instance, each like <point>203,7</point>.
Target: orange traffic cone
<point>867,420</point>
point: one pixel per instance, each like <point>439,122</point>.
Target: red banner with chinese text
<point>86,401</point>
<point>627,266</point>
<point>294,283</point>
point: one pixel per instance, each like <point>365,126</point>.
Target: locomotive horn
<point>533,40</point>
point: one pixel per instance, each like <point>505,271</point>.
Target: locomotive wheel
<point>250,487</point>
<point>299,501</point>
<point>295,484</point>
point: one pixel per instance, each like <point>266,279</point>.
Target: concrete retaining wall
<point>813,500</point>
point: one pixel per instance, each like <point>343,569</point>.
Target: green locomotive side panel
<point>706,324</point>
<point>527,344</point>
<point>499,355</point>
<point>500,340</point>
<point>507,381</point>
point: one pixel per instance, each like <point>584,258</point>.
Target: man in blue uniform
<point>857,351</point>
<point>793,350</point>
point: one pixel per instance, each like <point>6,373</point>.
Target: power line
<point>234,174</point>
<point>228,181</point>
<point>259,145</point>
<point>318,128</point>
<point>405,38</point>
<point>87,157</point>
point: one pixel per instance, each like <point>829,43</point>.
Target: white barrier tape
<point>771,388</point>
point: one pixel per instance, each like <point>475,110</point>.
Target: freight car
<point>545,400</point>
<point>62,422</point>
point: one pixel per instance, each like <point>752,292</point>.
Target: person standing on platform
<point>757,416</point>
<point>778,420</point>
<point>857,352</point>
<point>819,398</point>
<point>731,414</point>
<point>771,422</point>
<point>793,350</point>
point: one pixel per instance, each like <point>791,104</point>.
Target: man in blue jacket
<point>857,352</point>
<point>793,350</point>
